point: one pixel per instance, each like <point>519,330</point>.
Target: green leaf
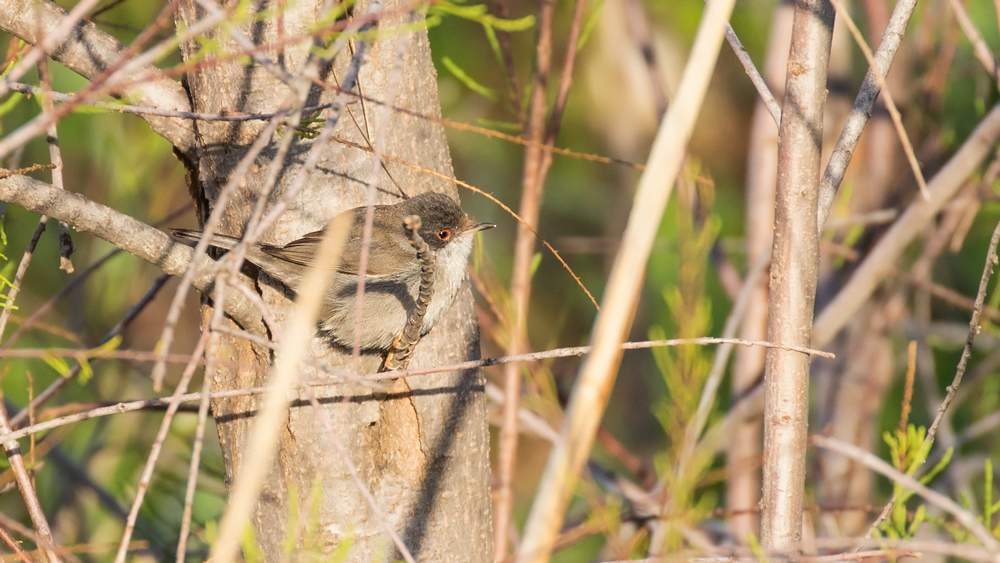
<point>478,14</point>
<point>536,260</point>
<point>756,548</point>
<point>9,103</point>
<point>251,552</point>
<point>588,27</point>
<point>469,82</point>
<point>86,372</point>
<point>938,468</point>
<point>918,519</point>
<point>58,364</point>
<point>108,345</point>
<point>5,281</point>
<point>491,38</point>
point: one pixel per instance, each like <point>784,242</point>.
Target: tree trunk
<point>422,448</point>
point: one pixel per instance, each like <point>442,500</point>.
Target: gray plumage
<point>393,271</point>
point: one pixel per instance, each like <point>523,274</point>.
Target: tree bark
<point>422,448</point>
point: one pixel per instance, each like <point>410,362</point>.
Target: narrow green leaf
<point>588,27</point>
<point>58,364</point>
<point>536,260</point>
<point>86,371</point>
<point>469,82</point>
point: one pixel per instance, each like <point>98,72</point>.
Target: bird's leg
<point>404,343</point>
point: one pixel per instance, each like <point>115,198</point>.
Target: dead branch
<point>882,259</point>
<point>127,233</point>
<point>89,52</point>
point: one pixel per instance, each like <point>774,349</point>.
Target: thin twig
<point>47,44</point>
<point>102,59</point>
<point>974,328</point>
<point>114,107</point>
<point>60,382</point>
<point>49,304</point>
<point>22,267</point>
<point>873,462</point>
<point>45,541</point>
<point>55,157</point>
<point>150,356</point>
<point>890,104</point>
<point>532,185</point>
<point>131,406</point>
<point>14,545</point>
<point>264,437</point>
<point>979,46</point>
<point>881,260</point>
<point>864,104</point>
<point>536,165</point>
<point>124,232</point>
<point>199,440</point>
<point>154,452</point>
<point>715,375</point>
<point>177,303</point>
<point>562,92</point>
<point>598,371</point>
<point>772,105</point>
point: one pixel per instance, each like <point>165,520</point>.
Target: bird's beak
<point>476,227</point>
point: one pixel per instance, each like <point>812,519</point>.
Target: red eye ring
<point>444,234</point>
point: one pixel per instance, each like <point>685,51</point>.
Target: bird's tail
<point>190,235</point>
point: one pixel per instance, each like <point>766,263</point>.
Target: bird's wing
<point>383,259</point>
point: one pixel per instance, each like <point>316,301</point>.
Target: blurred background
<point>86,473</point>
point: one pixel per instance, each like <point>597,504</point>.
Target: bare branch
<point>13,545</point>
<point>881,260</point>
<point>974,328</point>
<point>88,51</point>
<point>794,271</point>
<point>890,104</point>
<point>772,105</point>
<point>131,406</point>
<point>58,384</point>
<point>864,104</point>
<point>536,164</point>
<point>131,235</point>
<point>598,372</point>
<point>939,500</point>
<point>66,246</point>
<point>13,450</point>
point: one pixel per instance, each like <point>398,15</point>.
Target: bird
<point>392,278</point>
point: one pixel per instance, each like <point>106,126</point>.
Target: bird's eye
<point>444,234</point>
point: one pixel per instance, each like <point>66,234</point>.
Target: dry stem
<point>599,369</point>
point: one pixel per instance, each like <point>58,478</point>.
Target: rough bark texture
<point>422,447</point>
